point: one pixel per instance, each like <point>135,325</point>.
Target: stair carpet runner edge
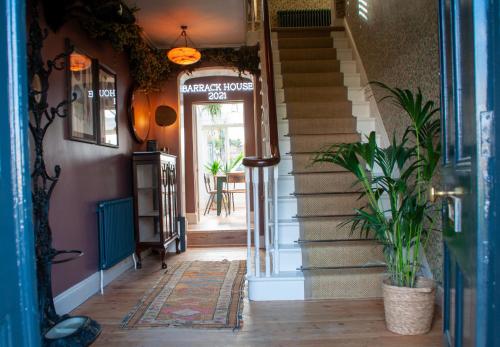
<point>336,263</point>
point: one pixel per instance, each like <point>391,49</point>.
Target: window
<point>221,133</point>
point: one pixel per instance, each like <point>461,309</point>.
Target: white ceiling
<point>211,23</point>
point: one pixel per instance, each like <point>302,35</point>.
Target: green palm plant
<point>394,183</point>
<point>233,163</point>
<point>214,167</point>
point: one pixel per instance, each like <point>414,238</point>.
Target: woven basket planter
<point>409,311</point>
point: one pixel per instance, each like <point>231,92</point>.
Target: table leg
<point>220,182</point>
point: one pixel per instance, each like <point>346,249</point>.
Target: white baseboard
<point>82,291</point>
<point>374,111</point>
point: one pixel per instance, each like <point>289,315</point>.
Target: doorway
<point>220,148</point>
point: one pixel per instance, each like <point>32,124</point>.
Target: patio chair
<point>212,195</point>
<point>233,178</point>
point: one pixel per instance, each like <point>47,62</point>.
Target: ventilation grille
<point>305,18</point>
<point>116,231</point>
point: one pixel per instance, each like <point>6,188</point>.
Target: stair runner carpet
<point>319,113</point>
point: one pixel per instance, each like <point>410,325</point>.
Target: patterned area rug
<point>194,294</point>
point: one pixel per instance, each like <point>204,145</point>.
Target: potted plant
<point>233,163</point>
<point>395,182</point>
<point>214,168</point>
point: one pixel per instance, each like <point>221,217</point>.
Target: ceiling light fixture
<point>79,62</point>
<point>184,55</point>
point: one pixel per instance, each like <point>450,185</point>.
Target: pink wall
<point>89,172</point>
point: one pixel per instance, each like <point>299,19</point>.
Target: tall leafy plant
<point>233,163</point>
<point>395,182</point>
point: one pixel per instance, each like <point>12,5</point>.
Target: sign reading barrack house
<point>217,91</point>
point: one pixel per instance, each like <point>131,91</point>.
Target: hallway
<point>336,323</point>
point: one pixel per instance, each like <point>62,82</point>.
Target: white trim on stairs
<point>374,111</point>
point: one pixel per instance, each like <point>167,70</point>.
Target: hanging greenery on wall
<point>112,21</point>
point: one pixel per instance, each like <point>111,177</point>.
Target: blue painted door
<point>18,304</point>
<point>471,143</point>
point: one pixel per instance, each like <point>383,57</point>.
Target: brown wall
<point>92,173</point>
<point>399,46</point>
<point>89,172</point>
<point>189,100</point>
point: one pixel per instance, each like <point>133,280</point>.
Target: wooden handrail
<point>275,158</point>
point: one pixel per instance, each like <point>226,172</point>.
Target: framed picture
<point>106,104</point>
<point>81,85</point>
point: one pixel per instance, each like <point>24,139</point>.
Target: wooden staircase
<point>320,102</point>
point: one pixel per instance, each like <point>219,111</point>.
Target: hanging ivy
<point>112,21</point>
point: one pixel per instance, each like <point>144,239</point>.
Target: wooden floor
<point>292,323</point>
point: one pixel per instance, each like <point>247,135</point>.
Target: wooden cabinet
<point>155,205</point>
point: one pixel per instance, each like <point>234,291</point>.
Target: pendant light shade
<point>184,55</point>
<point>79,62</point>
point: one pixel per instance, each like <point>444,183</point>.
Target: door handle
<point>454,209</point>
<point>435,194</point>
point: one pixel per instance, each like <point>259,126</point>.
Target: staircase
<point>319,102</point>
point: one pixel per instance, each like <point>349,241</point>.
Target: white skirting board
<point>82,291</point>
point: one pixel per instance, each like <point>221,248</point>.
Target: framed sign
<point>80,80</point>
<point>106,95</point>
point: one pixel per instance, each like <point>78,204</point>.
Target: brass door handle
<point>434,194</point>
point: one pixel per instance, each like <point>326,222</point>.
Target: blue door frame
<point>470,73</point>
<point>18,303</point>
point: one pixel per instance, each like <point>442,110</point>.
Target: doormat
<point>193,294</point>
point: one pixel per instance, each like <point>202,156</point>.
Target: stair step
<point>308,79</point>
<point>341,254</point>
<point>331,182</point>
<point>305,126</point>
<point>344,283</point>
<point>291,54</point>
<point>315,143</point>
<point>316,94</point>
<point>326,228</point>
<point>320,109</point>
<point>328,204</point>
<point>302,162</point>
<point>305,42</point>
<point>290,257</point>
<point>287,207</point>
<point>305,65</point>
<point>288,230</point>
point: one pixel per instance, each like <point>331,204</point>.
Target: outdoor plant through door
<point>220,146</point>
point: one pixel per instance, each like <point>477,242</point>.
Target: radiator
<point>116,231</point>
<point>305,18</point>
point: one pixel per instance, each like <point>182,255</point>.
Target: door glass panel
<point>463,91</point>
<point>165,199</point>
<point>147,202</point>
<point>447,107</point>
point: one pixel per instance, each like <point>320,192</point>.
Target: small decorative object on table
<point>151,145</point>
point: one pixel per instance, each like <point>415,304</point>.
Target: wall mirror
<point>139,111</point>
<point>80,81</point>
<point>108,121</point>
